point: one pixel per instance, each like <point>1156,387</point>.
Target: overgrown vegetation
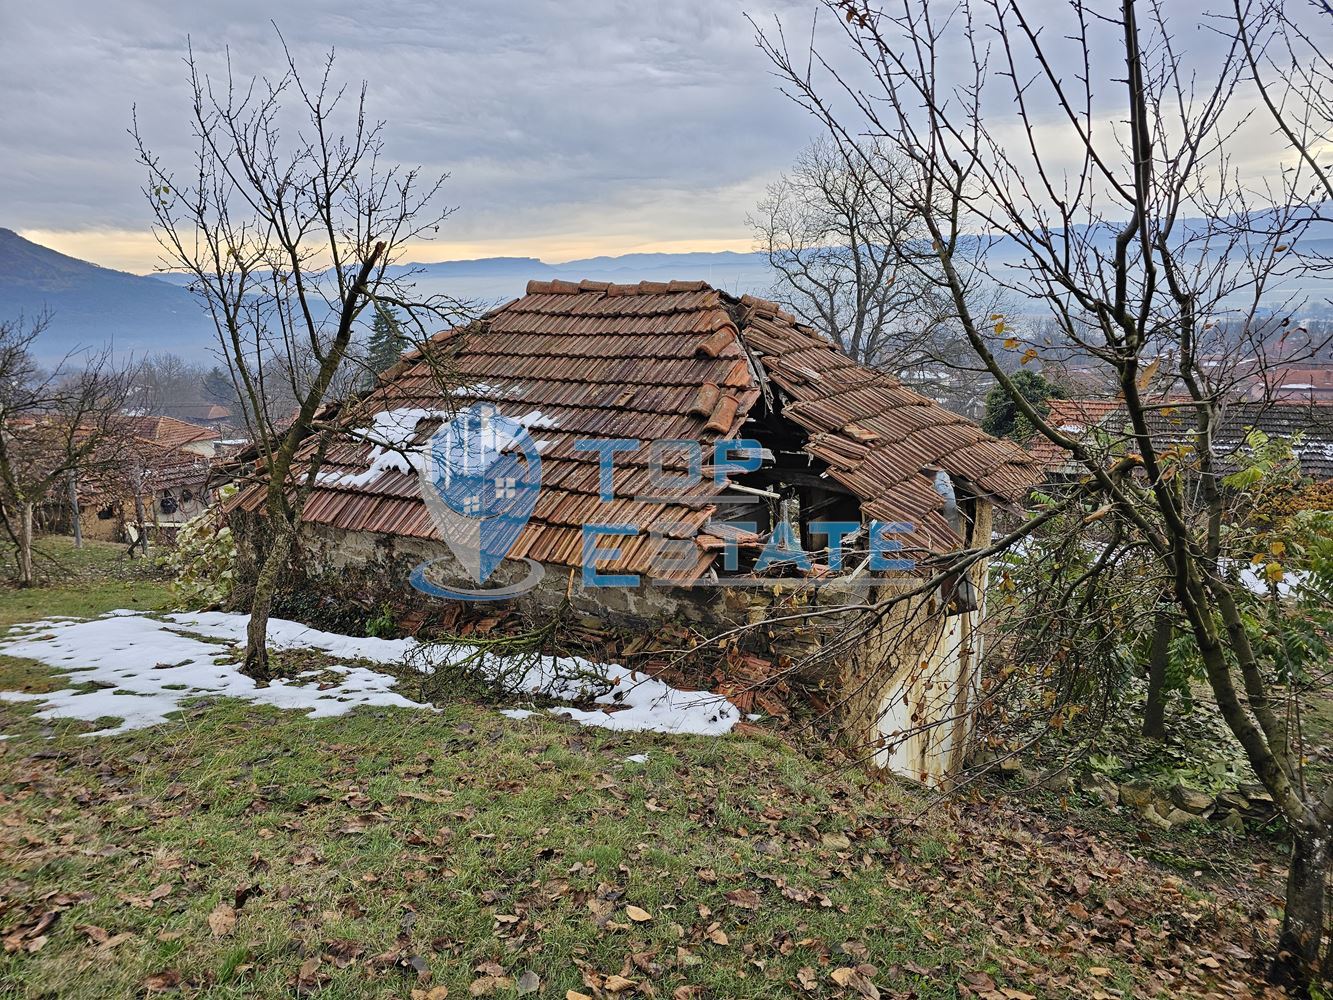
<point>203,561</point>
<point>1104,245</point>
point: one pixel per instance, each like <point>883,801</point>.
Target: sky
<point>570,128</point>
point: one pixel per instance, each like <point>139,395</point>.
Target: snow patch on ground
<point>1255,580</point>
<point>634,701</point>
<point>144,668</point>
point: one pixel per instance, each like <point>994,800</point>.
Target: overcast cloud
<point>570,127</point>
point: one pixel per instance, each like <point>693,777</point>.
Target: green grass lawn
<point>243,852</point>
<point>84,582</point>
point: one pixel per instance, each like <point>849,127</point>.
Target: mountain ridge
<point>89,306</point>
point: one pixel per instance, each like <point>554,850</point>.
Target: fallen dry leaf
<point>746,899</point>
<point>979,981</point>
<point>160,982</point>
<point>486,985</point>
<point>308,977</point>
<point>222,921</point>
<point>637,914</point>
<point>856,980</point>
<point>97,935</point>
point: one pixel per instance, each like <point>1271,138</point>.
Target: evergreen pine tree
<point>387,342</point>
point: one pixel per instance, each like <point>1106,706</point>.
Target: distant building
<point>167,465</point>
<point>1294,385</point>
<point>1172,423</point>
<point>172,433</point>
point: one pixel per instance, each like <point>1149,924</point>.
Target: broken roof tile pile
<point>653,361</point>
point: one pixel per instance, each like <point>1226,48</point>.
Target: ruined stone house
<point>687,362</point>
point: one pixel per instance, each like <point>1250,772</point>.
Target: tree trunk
<point>75,514</point>
<point>141,518</point>
<point>1301,941</point>
<point>1154,712</point>
<point>266,584</point>
<point>25,545</point>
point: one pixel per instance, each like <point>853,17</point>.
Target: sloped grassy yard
<point>243,851</point>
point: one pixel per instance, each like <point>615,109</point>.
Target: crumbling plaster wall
<point>911,686</point>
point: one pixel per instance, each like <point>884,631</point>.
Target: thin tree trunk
<point>141,518</point>
<point>1159,655</point>
<point>266,585</point>
<point>25,545</point>
<point>1301,941</point>
<point>74,512</point>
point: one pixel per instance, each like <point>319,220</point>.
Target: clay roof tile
<point>662,360</point>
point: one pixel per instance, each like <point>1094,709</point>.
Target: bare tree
<point>54,426</point>
<point>167,383</point>
<point>290,222</point>
<point>1120,212</point>
<point>855,263</point>
<point>837,243</point>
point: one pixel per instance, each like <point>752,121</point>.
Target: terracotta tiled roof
<point>1175,425</point>
<point>146,466</point>
<point>1290,383</point>
<point>198,411</point>
<point>1075,417</point>
<point>167,431</point>
<point>658,360</point>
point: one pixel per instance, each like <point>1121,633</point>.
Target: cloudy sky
<point>570,127</point>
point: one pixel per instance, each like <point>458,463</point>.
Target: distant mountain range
<point>91,306</point>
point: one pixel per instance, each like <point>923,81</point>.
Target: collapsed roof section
<point>657,361</point>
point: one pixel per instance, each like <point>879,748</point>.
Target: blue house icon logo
<point>480,479</point>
